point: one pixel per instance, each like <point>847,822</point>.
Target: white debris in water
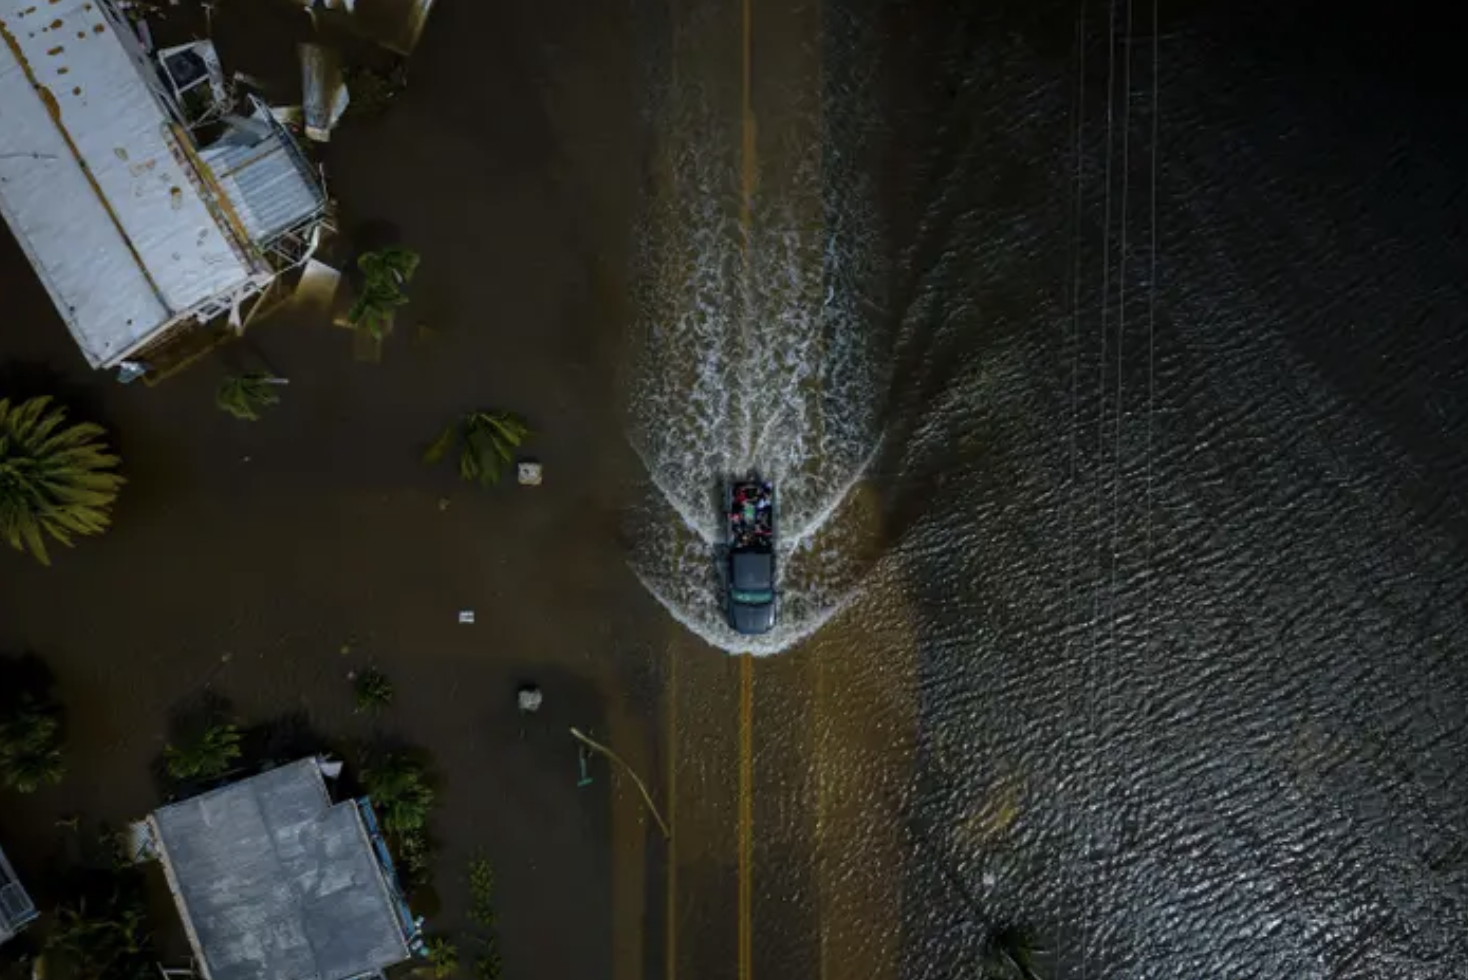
<point>528,474</point>
<point>466,617</point>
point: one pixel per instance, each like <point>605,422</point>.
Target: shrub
<point>443,957</point>
<point>30,748</point>
<point>400,789</point>
<point>487,441</point>
<point>54,477</point>
<point>374,690</point>
<point>208,756</point>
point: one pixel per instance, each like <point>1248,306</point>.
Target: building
<point>16,907</point>
<point>274,881</point>
<point>146,205</point>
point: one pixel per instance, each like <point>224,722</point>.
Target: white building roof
<point>97,185</point>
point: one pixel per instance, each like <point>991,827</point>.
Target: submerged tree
<point>384,274</point>
<point>30,747</point>
<point>1009,954</point>
<point>245,395</point>
<point>373,689</point>
<point>206,756</point>
<point>55,478</point>
<point>487,442</point>
<point>400,789</point>
<point>103,933</point>
<point>443,958</point>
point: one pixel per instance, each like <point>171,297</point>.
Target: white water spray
<point>751,356</point>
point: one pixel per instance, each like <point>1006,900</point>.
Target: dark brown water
<point>1113,367</point>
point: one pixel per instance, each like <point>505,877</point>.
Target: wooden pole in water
<point>646,796</point>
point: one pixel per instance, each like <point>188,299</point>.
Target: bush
<point>443,957</point>
<point>104,934</point>
<point>400,790</point>
<point>374,690</point>
<point>481,913</point>
<point>54,477</point>
<point>487,441</point>
<point>30,747</point>
<point>208,756</point>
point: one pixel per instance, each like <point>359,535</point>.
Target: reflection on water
<point>1183,540</point>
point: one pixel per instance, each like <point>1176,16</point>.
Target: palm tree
<point>244,395</point>
<point>384,274</point>
<point>399,788</point>
<point>30,748</point>
<point>54,477</point>
<point>487,441</point>
<point>206,757</point>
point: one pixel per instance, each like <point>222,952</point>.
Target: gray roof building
<point>274,881</point>
<point>16,908</point>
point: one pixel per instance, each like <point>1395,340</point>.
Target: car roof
<point>752,570</point>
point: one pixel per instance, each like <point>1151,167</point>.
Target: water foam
<point>750,353</point>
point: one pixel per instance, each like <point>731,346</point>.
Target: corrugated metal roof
<point>94,184</point>
<point>277,883</point>
<point>267,182</point>
<point>16,908</point>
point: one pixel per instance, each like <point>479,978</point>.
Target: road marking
<point>746,814</point>
<point>670,924</point>
<point>746,664</point>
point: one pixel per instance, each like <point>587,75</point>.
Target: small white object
<point>528,474</point>
<point>466,617</point>
<point>529,699</point>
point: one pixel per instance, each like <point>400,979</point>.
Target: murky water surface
<point>1144,333</point>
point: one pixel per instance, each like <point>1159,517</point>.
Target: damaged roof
<point>16,908</point>
<point>275,882</point>
<point>97,184</point>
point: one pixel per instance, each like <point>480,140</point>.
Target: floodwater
<point>1111,364</point>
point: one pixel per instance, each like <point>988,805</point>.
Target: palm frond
<point>245,395</point>
<point>487,442</point>
<point>55,478</point>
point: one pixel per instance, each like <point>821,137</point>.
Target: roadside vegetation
<point>487,442</point>
<point>245,396</point>
<point>57,479</point>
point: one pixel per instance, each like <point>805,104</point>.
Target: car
<point>750,552</point>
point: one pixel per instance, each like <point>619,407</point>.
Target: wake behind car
<point>751,556</point>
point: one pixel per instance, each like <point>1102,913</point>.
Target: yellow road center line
<point>670,924</point>
<point>746,815</point>
<point>746,665</point>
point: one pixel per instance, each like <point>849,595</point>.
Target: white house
<point>135,230</point>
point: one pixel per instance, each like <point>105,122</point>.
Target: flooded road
<point>1111,365</point>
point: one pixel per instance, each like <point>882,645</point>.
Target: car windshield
<point>753,598</point>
